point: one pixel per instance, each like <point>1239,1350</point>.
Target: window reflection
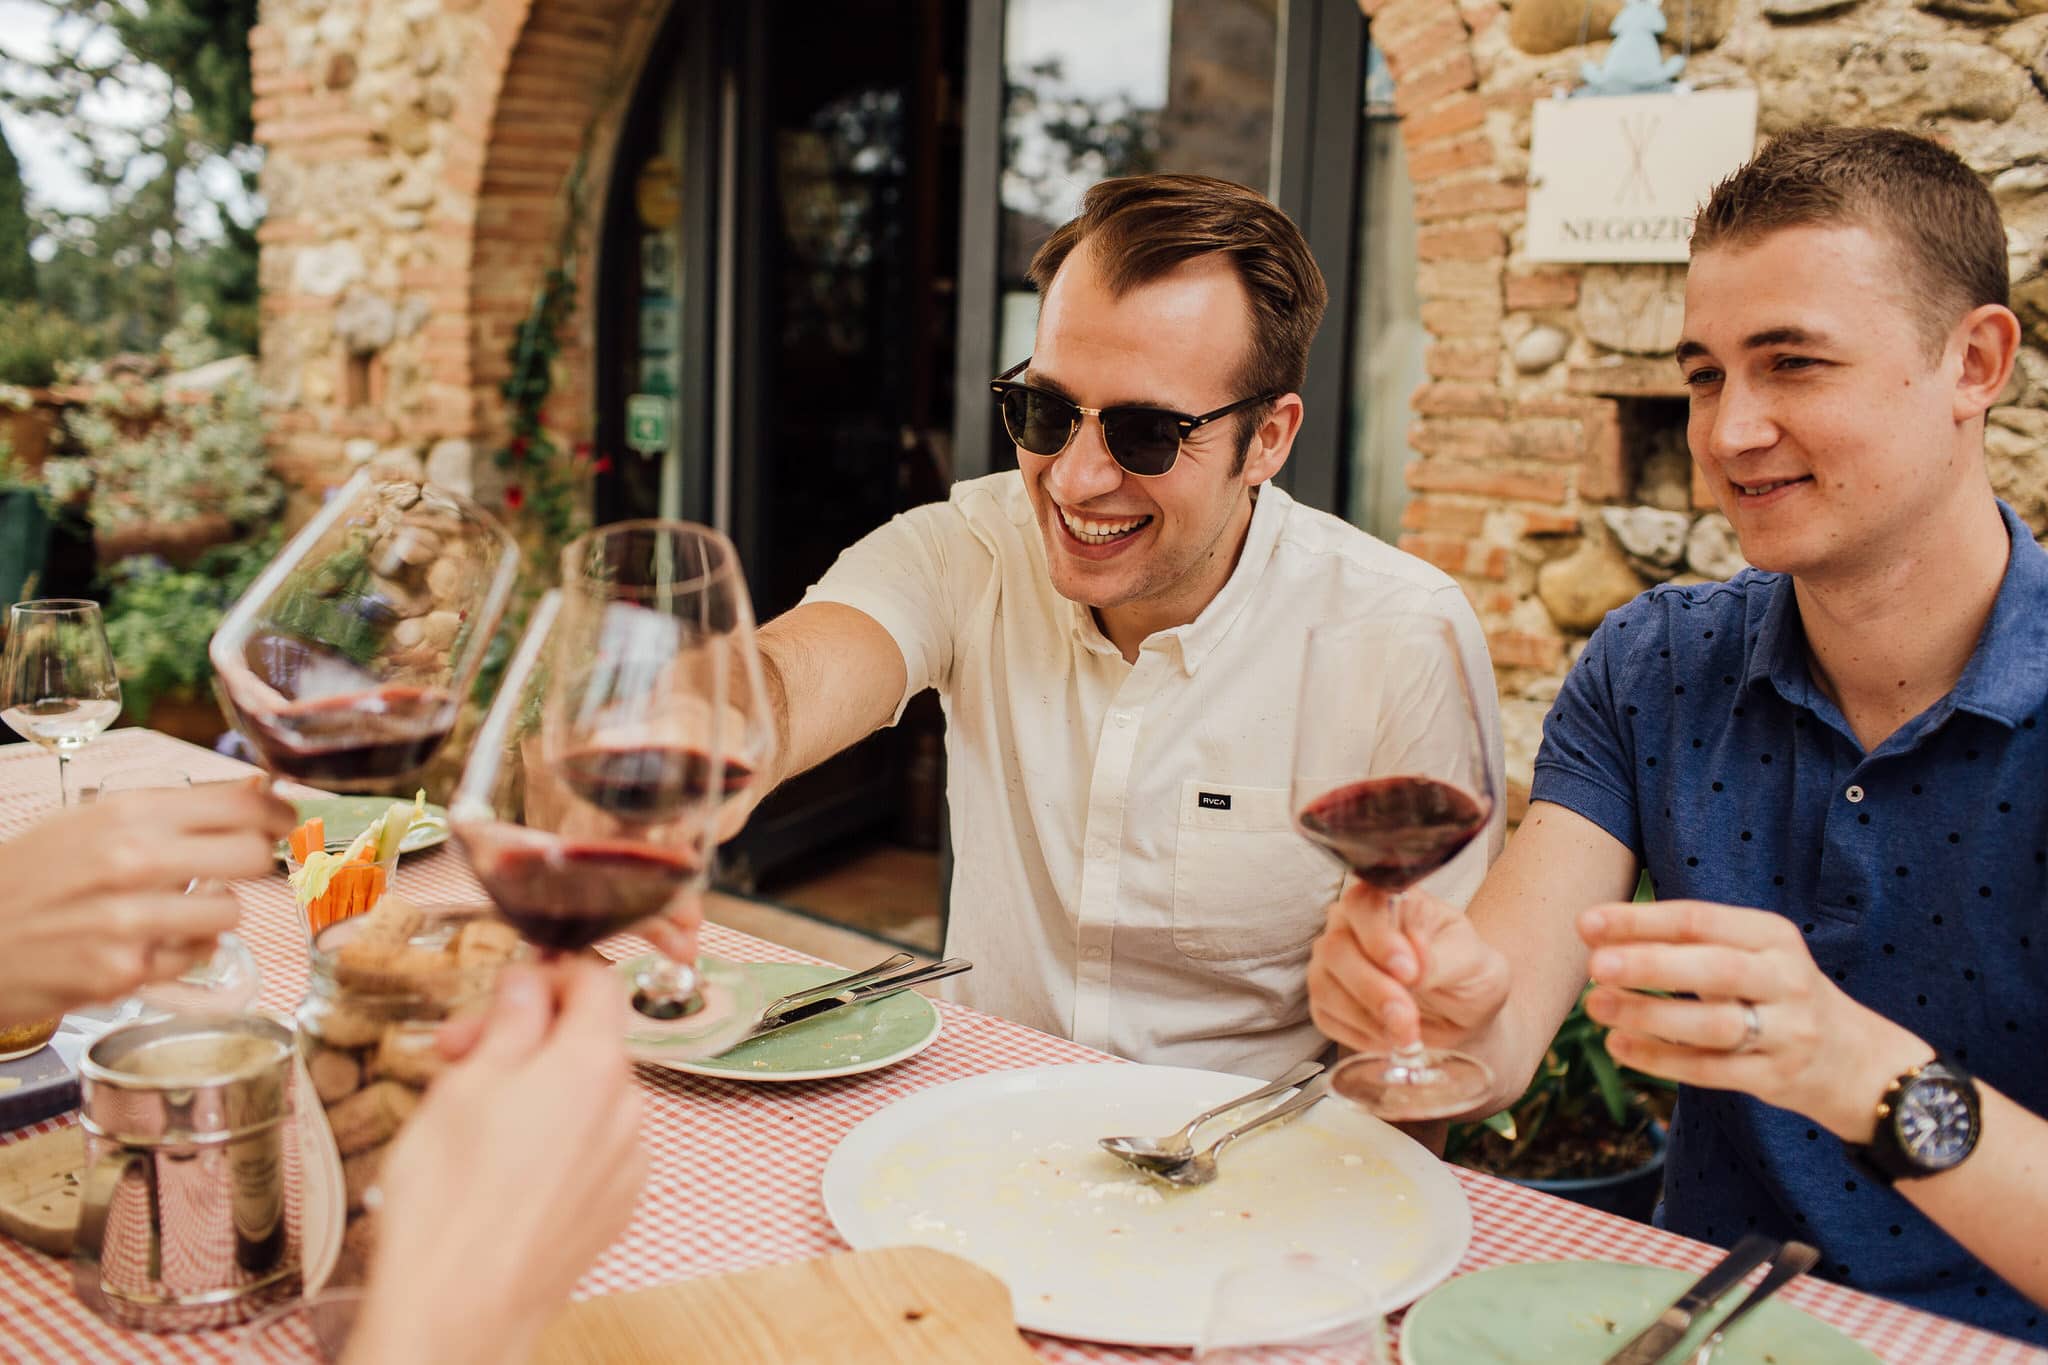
<point>1095,90</point>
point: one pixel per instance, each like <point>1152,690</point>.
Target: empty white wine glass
<point>58,687</point>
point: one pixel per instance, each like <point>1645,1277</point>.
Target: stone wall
<point>1552,476</point>
<point>418,161</point>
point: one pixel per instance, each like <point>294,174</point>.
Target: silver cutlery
<point>878,988</point>
<point>894,962</point>
<point>1793,1260</point>
<point>1651,1344</point>
<point>1200,1168</point>
<point>1155,1154</point>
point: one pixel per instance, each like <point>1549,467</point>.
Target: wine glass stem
<point>1410,1055</point>
<point>63,778</point>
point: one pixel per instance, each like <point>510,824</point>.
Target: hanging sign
<point>1619,178</point>
<point>647,423</point>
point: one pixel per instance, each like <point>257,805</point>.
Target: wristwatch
<point>1928,1122</point>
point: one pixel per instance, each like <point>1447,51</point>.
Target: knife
<point>857,995</point>
<point>1649,1346</point>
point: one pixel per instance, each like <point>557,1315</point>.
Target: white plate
<point>1003,1169</point>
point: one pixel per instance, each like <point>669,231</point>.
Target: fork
<point>1793,1260</point>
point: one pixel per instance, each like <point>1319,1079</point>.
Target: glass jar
<point>381,986</point>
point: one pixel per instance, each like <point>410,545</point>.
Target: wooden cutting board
<point>902,1305</point>
<point>39,1188</point>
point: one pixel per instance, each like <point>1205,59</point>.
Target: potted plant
<point>36,344</point>
<point>1586,1129</point>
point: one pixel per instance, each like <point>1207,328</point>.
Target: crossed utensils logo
<point>1638,132</point>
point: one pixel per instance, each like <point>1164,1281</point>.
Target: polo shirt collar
<point>1198,638</point>
<point>2007,674</point>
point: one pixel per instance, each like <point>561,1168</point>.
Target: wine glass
<point>566,871</point>
<point>1298,1300</point>
<point>1391,777</point>
<point>228,981</point>
<point>345,663</point>
<point>57,681</point>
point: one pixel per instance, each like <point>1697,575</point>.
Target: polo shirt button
<point>1093,954</point>
<point>1855,794</point>
<point>1123,718</point>
<point>1098,848</point>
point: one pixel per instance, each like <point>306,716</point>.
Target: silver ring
<point>1752,1028</point>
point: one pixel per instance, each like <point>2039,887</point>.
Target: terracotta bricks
<point>1437,514</point>
<point>1543,289</point>
<point>1525,649</point>
<point>1447,476</point>
<point>1450,155</point>
<point>1455,199</point>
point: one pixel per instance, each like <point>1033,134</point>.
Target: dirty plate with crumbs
<point>845,1042</point>
<point>1580,1312</point>
<point>1003,1169</point>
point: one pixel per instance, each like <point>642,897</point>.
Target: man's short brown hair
<point>1918,194</point>
<point>1142,227</point>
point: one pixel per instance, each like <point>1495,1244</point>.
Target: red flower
<point>583,449</point>
<point>603,464</point>
<point>514,496</point>
<point>519,448</point>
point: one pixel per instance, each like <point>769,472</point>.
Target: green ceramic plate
<point>348,816</point>
<point>843,1043</point>
<point>1580,1312</point>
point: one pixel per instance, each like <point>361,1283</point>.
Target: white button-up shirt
<point>1126,872</point>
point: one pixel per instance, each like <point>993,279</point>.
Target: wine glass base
<point>1406,1088</point>
<point>728,1005</point>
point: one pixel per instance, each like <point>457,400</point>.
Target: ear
<point>1273,441</point>
<point>1989,338</point>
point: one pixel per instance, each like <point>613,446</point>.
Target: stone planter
<point>1632,1194</point>
<point>29,430</point>
<point>179,542</point>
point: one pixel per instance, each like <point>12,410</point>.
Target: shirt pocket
<point>1246,885</point>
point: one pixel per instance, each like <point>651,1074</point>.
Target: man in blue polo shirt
<point>1832,767</point>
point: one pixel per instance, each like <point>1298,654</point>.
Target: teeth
<point>1757,490</point>
<point>1099,532</point>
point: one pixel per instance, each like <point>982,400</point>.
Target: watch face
<point>1936,1123</point>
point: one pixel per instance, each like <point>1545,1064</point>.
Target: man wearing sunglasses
<point>1116,628</point>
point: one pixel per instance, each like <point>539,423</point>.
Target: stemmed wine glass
<point>1391,777</point>
<point>345,663</point>
<point>57,681</point>
<point>567,871</point>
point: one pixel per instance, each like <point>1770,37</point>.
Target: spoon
<point>1200,1168</point>
<point>1159,1154</point>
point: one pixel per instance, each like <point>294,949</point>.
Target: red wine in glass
<point>355,738</point>
<point>1394,831</point>
<point>563,895</point>
<point>648,783</point>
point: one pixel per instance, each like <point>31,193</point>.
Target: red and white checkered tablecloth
<point>735,1171</point>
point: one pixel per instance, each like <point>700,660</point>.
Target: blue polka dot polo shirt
<point>1692,731</point>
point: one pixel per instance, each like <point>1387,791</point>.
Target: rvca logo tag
<point>1212,801</point>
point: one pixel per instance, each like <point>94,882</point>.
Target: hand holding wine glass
<point>58,687</point>
<point>1391,776</point>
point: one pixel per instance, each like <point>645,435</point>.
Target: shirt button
<point>1093,954</point>
<point>1098,848</point>
<point>1855,794</point>
<point>1123,718</point>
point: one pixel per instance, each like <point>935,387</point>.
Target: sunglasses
<point>1144,441</point>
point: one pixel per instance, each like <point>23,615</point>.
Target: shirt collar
<point>2007,674</point>
<point>1195,640</point>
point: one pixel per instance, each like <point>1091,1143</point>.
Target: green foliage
<point>36,343</point>
<point>17,271</point>
<point>166,240</point>
<point>159,619</point>
<point>152,459</point>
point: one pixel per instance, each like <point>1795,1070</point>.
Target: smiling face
<point>1831,428</point>
<point>1148,553</point>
